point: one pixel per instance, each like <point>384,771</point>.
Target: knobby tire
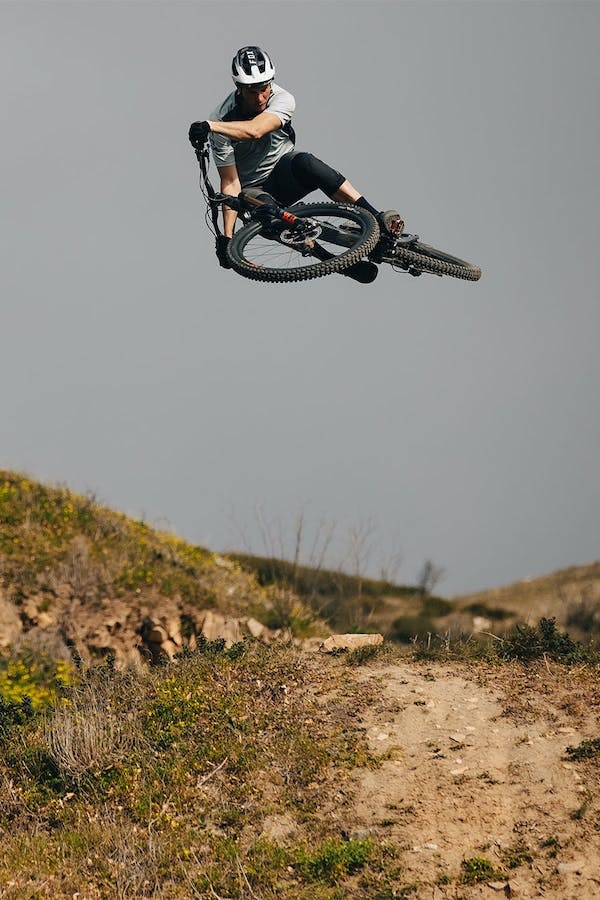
<point>428,259</point>
<point>365,238</point>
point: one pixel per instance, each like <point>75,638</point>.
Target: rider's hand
<point>198,134</point>
<point>221,245</point>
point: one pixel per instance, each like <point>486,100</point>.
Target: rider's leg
<point>389,220</point>
<point>298,173</point>
<point>346,193</point>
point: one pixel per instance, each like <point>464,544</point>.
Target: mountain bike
<point>309,240</point>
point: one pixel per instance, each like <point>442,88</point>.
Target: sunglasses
<point>256,88</point>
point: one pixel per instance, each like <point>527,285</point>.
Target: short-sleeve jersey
<point>254,160</point>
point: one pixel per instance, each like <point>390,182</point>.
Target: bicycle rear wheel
<point>427,259</point>
<point>337,237</point>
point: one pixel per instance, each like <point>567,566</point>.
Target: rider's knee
<point>312,172</point>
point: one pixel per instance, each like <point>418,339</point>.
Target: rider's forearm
<point>249,130</point>
<point>230,184</point>
<point>229,217</point>
<point>239,131</point>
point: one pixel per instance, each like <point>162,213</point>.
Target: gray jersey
<point>254,160</point>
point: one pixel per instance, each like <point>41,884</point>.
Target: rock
<point>571,868</point>
<point>375,734</point>
<point>350,642</point>
<point>256,628</point>
<point>10,622</point>
<point>509,888</point>
<point>38,609</point>
<point>173,626</point>
<point>116,615</point>
<point>217,627</point>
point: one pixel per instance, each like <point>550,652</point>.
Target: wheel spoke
<point>329,238</point>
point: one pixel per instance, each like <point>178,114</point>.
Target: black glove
<point>221,245</point>
<point>198,134</point>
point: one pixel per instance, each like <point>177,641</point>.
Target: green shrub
<point>477,869</point>
<point>362,655</point>
<point>38,679</point>
<point>333,859</point>
<point>408,629</point>
<point>436,607</point>
<point>494,613</point>
<point>527,643</point>
<point>14,713</point>
<point>585,750</point>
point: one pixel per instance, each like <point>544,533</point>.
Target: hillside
<point>404,613</point>
<point>247,764</point>
<point>96,582</point>
<point>571,596</point>
<point>76,575</point>
<point>269,772</point>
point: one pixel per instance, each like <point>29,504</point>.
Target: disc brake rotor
<point>309,231</point>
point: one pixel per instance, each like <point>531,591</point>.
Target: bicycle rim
<point>342,235</point>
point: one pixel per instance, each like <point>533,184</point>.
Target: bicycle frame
<point>250,202</point>
<point>300,232</point>
<point>251,205</point>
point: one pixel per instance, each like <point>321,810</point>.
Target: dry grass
<point>87,734</point>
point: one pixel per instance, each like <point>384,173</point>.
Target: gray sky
<point>453,421</point>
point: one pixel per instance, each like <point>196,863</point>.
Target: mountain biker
<point>253,145</point>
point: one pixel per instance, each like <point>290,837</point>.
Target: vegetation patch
<point>588,749</point>
<point>51,535</point>
<point>35,680</point>
<point>517,855</point>
<point>361,655</point>
<point>477,869</point>
<point>162,779</point>
<point>412,629</point>
<point>488,612</point>
<point>333,859</point>
<point>523,643</point>
<point>527,643</point>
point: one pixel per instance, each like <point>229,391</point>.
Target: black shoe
<point>390,223</point>
<point>364,271</point>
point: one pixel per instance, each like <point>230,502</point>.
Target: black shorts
<point>298,174</point>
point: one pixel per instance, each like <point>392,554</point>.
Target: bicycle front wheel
<point>331,238</point>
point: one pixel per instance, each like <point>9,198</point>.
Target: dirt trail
<point>477,768</point>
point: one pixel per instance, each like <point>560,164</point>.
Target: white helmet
<point>251,65</point>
